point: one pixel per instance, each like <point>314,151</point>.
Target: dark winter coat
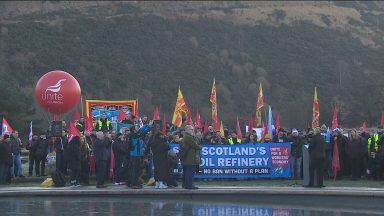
<point>317,147</point>
<point>276,139</point>
<point>297,146</point>
<point>100,149</point>
<point>39,148</point>
<point>5,152</point>
<point>15,145</point>
<point>160,148</point>
<point>355,148</point>
<point>74,154</point>
<point>120,150</point>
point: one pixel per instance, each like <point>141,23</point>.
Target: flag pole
<point>81,101</point>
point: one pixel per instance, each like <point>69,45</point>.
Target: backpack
<point>58,178</point>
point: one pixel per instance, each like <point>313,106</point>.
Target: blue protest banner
<point>262,160</point>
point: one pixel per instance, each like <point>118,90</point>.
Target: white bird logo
<point>55,88</point>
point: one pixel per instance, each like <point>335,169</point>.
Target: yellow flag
<point>180,107</point>
<point>221,129</point>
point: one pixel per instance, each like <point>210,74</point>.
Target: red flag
<point>55,117</point>
<point>164,125</point>
<point>205,127</point>
<point>335,160</point>
<point>88,125</point>
<point>315,111</point>
<point>72,131</point>
<point>382,119</point>
<point>121,115</point>
<point>265,131</point>
<point>197,120</point>
<point>77,116</point>
<point>112,164</point>
<point>215,119</point>
<point>365,127</point>
<point>250,126</point>
<point>277,126</point>
<point>238,129</point>
<point>156,115</point>
<point>335,124</point>
<point>6,128</point>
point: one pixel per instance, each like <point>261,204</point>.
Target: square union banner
<point>262,160</point>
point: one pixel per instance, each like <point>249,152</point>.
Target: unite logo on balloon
<point>52,93</point>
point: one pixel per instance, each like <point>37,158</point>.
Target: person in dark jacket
<point>192,157</point>
<point>5,159</point>
<point>35,138</point>
<point>296,153</point>
<point>120,150</point>
<point>280,137</point>
<point>61,145</point>
<point>74,160</point>
<point>317,148</point>
<point>342,142</point>
<point>40,154</point>
<point>103,124</point>
<point>355,151</point>
<point>16,153</point>
<point>85,155</point>
<point>173,162</point>
<point>101,155</point>
<point>160,147</point>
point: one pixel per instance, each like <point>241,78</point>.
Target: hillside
<point>125,50</point>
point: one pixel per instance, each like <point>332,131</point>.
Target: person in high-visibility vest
<point>103,124</point>
<point>234,140</point>
<point>373,144</point>
<point>80,125</point>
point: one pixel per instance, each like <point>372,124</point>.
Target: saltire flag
<point>259,106</point>
<point>88,125</point>
<point>180,108</point>
<point>271,127</point>
<point>213,99</point>
<point>250,126</point>
<point>72,131</point>
<point>205,127</point>
<point>238,129</point>
<point>6,128</point>
<point>156,115</point>
<point>365,129</point>
<point>335,160</point>
<point>278,121</point>
<point>30,133</point>
<point>121,115</point>
<point>335,123</point>
<point>315,111</point>
<point>197,120</point>
<point>328,136</point>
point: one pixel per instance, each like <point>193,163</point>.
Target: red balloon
<point>57,92</point>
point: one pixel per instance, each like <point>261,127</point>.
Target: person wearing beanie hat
<point>296,153</point>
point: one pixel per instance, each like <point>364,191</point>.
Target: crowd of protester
<point>143,146</point>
